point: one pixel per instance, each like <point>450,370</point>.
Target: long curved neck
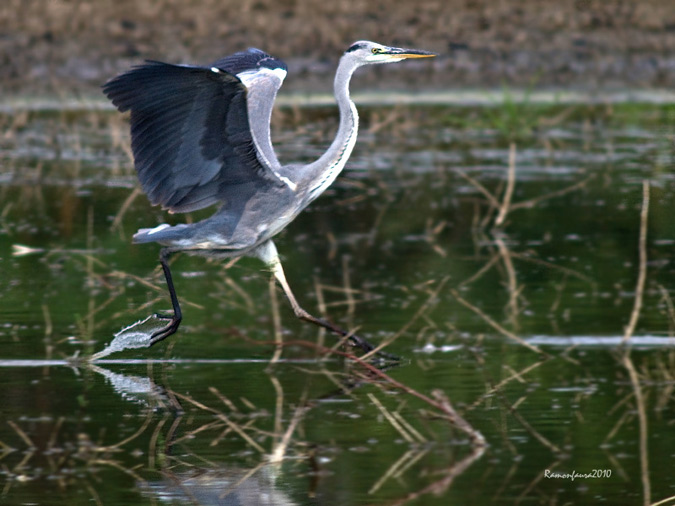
<point>320,175</point>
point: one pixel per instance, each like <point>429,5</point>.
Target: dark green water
<point>402,246</point>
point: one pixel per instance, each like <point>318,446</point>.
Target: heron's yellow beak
<point>400,53</point>
<point>415,55</point>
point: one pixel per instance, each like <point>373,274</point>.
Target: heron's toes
<point>167,330</point>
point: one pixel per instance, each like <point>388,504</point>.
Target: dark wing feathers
<point>252,59</point>
<point>190,131</point>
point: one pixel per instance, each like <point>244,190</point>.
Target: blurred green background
<point>565,107</point>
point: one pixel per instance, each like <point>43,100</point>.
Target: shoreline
<point>469,98</point>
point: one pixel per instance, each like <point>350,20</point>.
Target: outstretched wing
<point>191,129</point>
<point>262,75</point>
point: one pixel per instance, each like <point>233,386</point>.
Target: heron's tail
<point>163,234</point>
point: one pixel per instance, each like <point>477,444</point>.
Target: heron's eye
<point>376,50</point>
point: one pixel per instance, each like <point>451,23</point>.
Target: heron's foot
<point>166,330</point>
<point>364,344</point>
<point>353,338</point>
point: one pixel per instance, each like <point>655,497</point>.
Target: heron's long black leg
<point>268,253</point>
<point>174,321</point>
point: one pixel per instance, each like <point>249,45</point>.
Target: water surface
<point>404,247</point>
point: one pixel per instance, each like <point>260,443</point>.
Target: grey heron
<point>200,136</point>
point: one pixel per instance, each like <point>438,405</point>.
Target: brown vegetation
<point>74,45</point>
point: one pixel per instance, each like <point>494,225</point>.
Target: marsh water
<point>497,249</point>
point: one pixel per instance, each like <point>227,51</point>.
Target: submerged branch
<point>440,402</point>
<point>642,271</point>
<point>505,206</point>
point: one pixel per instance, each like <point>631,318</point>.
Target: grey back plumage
<point>200,135</point>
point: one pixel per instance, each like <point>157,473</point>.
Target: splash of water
<point>136,335</point>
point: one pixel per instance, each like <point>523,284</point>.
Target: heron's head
<point>365,52</point>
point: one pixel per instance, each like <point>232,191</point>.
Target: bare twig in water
<point>149,284</point>
<point>321,305</point>
<point>479,274</point>
<point>278,408</point>
<point>93,493</point>
<point>486,193</point>
<point>379,122</point>
<point>280,449</point>
<point>517,375</point>
<point>407,426</point>
<point>154,438</point>
<point>668,301</point>
<point>146,423</point>
<point>433,296</point>
<point>48,321</point>
<point>391,419</point>
<point>642,272</point>
<point>408,459</point>
<point>538,477</point>
<point>512,283</point>
<point>510,185</point>
<point>351,303</point>
<point>642,420</point>
<point>441,486</point>
<point>237,484</point>
<point>276,319</point>
<point>552,266</point>
<point>21,434</point>
<point>665,501</point>
<point>495,325</point>
<point>526,204</point>
<point>117,222</point>
<point>506,205</point>
<point>441,403</point>
<point>235,427</point>
<point>526,425</point>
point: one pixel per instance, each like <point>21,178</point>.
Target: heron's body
<point>229,233</point>
<point>201,136</point>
